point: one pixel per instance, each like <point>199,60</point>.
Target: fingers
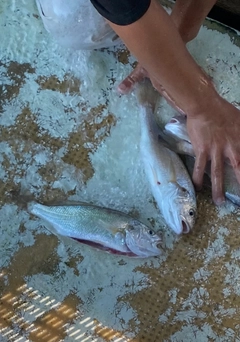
<point>217,178</point>
<point>236,166</point>
<point>198,171</point>
<point>136,76</point>
<point>216,175</point>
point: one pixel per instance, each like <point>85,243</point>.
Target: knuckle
<point>132,78</point>
<point>198,169</point>
<point>217,171</point>
<point>202,151</point>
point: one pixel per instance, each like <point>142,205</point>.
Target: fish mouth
<point>160,247</point>
<point>173,120</point>
<point>185,227</point>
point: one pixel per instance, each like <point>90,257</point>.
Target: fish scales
<point>105,227</point>
<point>170,182</point>
<point>82,222</point>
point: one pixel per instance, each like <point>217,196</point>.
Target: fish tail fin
<point>146,94</point>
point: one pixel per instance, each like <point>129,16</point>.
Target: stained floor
<point>66,134</point>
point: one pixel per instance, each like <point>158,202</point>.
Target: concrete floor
<point>66,134</point>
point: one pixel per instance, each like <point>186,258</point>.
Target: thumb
<point>136,76</point>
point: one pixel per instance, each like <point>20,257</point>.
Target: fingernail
<point>122,89</point>
<point>198,187</point>
<point>219,201</point>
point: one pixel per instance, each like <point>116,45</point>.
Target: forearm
<point>188,16</point>
<point>156,43</point>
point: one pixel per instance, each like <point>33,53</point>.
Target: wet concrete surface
<point>65,134</point>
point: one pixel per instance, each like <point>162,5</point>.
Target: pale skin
<point>158,40</point>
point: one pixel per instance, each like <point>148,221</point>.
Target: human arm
<point>159,48</point>
<point>188,16</point>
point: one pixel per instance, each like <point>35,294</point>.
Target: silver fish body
<point>103,228</point>
<point>170,182</point>
<point>177,128</point>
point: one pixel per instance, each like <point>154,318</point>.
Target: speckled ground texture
<point>66,134</point>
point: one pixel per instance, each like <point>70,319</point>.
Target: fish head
<point>180,213</point>
<point>142,241</point>
<point>177,127</point>
<point>188,216</point>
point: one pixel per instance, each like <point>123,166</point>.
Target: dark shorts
<point>121,12</point>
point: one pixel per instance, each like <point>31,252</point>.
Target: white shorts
<point>76,24</point>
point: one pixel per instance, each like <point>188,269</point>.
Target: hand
<point>136,76</point>
<point>215,136</point>
<point>213,123</point>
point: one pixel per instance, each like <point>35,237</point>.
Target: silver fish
<point>176,134</point>
<point>103,228</point>
<point>177,128</point>
<point>170,182</point>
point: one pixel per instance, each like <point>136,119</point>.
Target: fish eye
<point>184,189</point>
<point>191,212</point>
<point>150,232</point>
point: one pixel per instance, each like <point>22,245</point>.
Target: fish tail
<point>146,94</point>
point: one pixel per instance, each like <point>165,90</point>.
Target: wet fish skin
<point>170,182</point>
<point>176,135</point>
<point>103,228</point>
<point>177,128</point>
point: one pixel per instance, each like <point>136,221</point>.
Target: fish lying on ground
<point>103,228</point>
<point>177,128</point>
<point>170,182</point>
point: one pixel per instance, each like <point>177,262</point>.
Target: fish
<point>176,134</point>
<point>177,129</point>
<point>103,228</point>
<point>169,180</point>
